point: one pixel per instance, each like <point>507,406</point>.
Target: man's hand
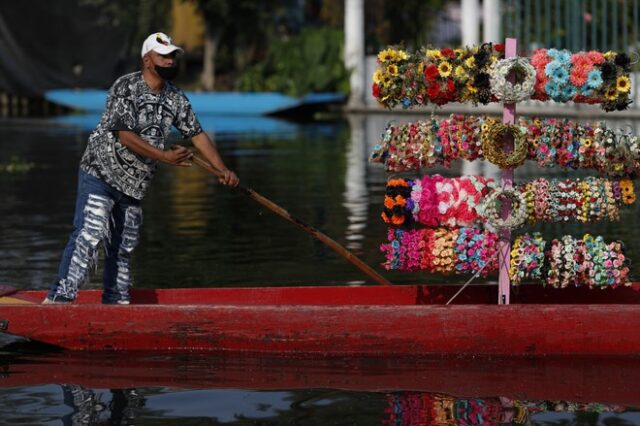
<point>178,156</point>
<point>228,178</point>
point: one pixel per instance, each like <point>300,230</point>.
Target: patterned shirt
<point>133,106</point>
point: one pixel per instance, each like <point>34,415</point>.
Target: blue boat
<point>207,103</point>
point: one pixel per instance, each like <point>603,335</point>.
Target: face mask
<point>167,73</point>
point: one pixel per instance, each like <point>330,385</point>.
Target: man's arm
<point>176,157</point>
<point>203,143</point>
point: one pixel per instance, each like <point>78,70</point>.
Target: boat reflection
<point>124,388</point>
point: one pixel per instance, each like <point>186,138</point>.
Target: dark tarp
<point>58,44</point>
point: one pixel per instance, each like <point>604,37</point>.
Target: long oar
<point>333,245</point>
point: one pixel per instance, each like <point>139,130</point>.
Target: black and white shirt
<point>133,106</point>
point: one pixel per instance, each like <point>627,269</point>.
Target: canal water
<point>199,234</point>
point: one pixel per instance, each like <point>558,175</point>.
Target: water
<point>200,389</point>
<point>199,234</point>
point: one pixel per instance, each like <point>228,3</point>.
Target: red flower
<point>499,47</point>
<point>433,91</point>
<point>431,72</point>
<point>580,99</point>
<point>451,86</point>
<point>376,90</point>
<point>448,53</point>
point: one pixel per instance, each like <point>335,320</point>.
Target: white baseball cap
<point>159,43</point>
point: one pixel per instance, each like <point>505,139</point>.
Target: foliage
<point>16,166</point>
<point>309,62</point>
<point>243,27</point>
<point>141,17</point>
<point>409,22</point>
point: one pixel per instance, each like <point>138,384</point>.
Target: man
<point>118,165</point>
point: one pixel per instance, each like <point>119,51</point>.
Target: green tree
<point>245,25</point>
<point>141,18</point>
<point>409,22</point>
<point>309,62</point>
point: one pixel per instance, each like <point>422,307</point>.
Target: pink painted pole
<point>504,245</point>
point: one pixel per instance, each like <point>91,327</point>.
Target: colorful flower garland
<point>561,263</point>
<point>436,76</point>
<point>441,250</point>
<point>576,200</point>
<point>588,261</point>
<point>527,258</point>
<point>550,143</point>
<point>584,77</point>
<point>468,200</point>
<point>435,200</point>
<point>440,76</point>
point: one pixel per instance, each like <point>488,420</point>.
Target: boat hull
<point>327,321</point>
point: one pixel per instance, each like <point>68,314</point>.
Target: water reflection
<point>196,388</point>
<point>200,388</point>
<point>356,195</point>
<point>81,406</point>
<point>123,407</point>
<point>418,408</point>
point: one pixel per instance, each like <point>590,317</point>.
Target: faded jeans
<point>103,215</point>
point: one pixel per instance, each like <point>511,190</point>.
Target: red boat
<point>339,320</point>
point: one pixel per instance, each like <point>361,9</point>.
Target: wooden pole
<point>504,244</point>
<point>332,244</point>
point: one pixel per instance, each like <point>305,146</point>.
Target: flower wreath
<point>504,89</point>
<point>518,213</point>
<point>492,145</point>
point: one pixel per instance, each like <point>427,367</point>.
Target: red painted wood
<point>400,320</point>
<point>608,380</point>
<point>519,330</point>
<point>374,295</point>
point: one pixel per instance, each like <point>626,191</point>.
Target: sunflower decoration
<point>394,67</point>
<point>616,83</point>
<point>628,193</point>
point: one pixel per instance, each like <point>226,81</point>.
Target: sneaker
<point>116,302</point>
<point>57,300</point>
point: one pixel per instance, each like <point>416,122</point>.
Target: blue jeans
<point>103,215</point>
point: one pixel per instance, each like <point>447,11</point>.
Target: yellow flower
<point>387,55</point>
<point>393,69</point>
<point>609,55</point>
<point>444,69</point>
<point>401,55</point>
<point>612,94</point>
<point>434,54</point>
<point>459,52</point>
<point>471,88</point>
<point>461,73</point>
<point>470,62</point>
<point>420,67</point>
<point>623,84</point>
<point>377,76</point>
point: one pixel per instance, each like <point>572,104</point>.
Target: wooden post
<point>504,245</point>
